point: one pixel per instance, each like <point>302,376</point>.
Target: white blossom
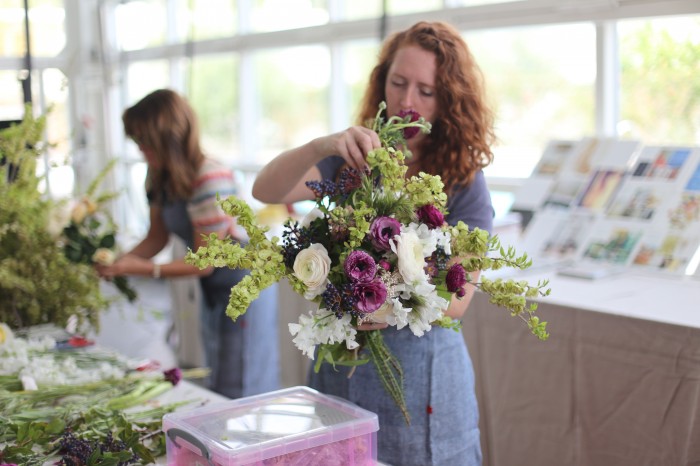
<point>322,327</point>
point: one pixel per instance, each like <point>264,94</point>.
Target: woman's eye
<point>426,92</point>
<point>398,83</point>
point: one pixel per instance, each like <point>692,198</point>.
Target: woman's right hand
<point>352,144</point>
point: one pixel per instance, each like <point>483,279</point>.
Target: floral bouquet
<point>88,234</point>
<point>375,249</point>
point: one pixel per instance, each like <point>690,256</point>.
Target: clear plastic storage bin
<point>296,426</point>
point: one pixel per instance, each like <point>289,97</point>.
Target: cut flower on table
<point>80,406</point>
<point>375,249</point>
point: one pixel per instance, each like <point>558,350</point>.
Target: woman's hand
<point>128,264</point>
<point>372,326</point>
<point>352,144</point>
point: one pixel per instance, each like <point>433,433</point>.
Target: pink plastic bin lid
<point>252,429</point>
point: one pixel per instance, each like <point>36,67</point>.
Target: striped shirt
<point>206,214</point>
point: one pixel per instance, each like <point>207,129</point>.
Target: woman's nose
<point>406,99</point>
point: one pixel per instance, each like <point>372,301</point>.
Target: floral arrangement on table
<point>39,283</point>
<point>375,249</point>
<point>79,407</point>
<point>88,235</point>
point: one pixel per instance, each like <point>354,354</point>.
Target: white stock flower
<point>310,217</point>
<point>28,383</point>
<point>104,256</point>
<point>311,266</point>
<point>322,327</point>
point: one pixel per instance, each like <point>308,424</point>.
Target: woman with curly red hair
<point>427,69</point>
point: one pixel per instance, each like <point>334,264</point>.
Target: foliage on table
<point>106,421</point>
<point>39,283</point>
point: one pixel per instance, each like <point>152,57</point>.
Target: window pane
<point>659,82</point>
<point>352,9</point>
<point>479,2</point>
<point>400,7</point>
<point>46,27</point>
<point>276,15</point>
<point>145,77</point>
<point>12,28</point>
<point>373,8</point>
<point>11,96</point>
<point>140,24</point>
<point>360,58</point>
<point>541,87</point>
<point>292,95</point>
<point>207,20</point>
<point>214,97</point>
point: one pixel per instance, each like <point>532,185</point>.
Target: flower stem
<point>389,370</point>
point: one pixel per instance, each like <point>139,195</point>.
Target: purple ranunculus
<point>431,216</point>
<point>456,278</point>
<point>370,295</point>
<point>412,115</point>
<point>173,375</point>
<point>382,230</point>
<point>360,266</point>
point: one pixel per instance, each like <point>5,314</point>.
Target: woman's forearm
<point>283,179</point>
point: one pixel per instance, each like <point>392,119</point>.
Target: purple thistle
<point>350,179</point>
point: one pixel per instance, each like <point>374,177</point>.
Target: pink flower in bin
<point>370,295</point>
<point>412,115</point>
<point>456,279</point>
<point>173,375</point>
<point>360,266</point>
<point>383,230</point>
<point>431,216</point>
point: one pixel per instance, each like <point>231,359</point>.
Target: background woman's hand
<point>128,264</point>
<point>352,144</point>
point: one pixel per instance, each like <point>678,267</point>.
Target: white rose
<point>103,256</point>
<point>409,249</point>
<point>310,217</point>
<point>311,266</point>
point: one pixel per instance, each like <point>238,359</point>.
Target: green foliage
<point>261,255</point>
<point>659,82</point>
<point>38,283</point>
<point>33,423</point>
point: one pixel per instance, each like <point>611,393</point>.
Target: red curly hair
<point>459,144</point>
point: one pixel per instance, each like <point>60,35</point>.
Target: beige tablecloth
<point>604,390</point>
